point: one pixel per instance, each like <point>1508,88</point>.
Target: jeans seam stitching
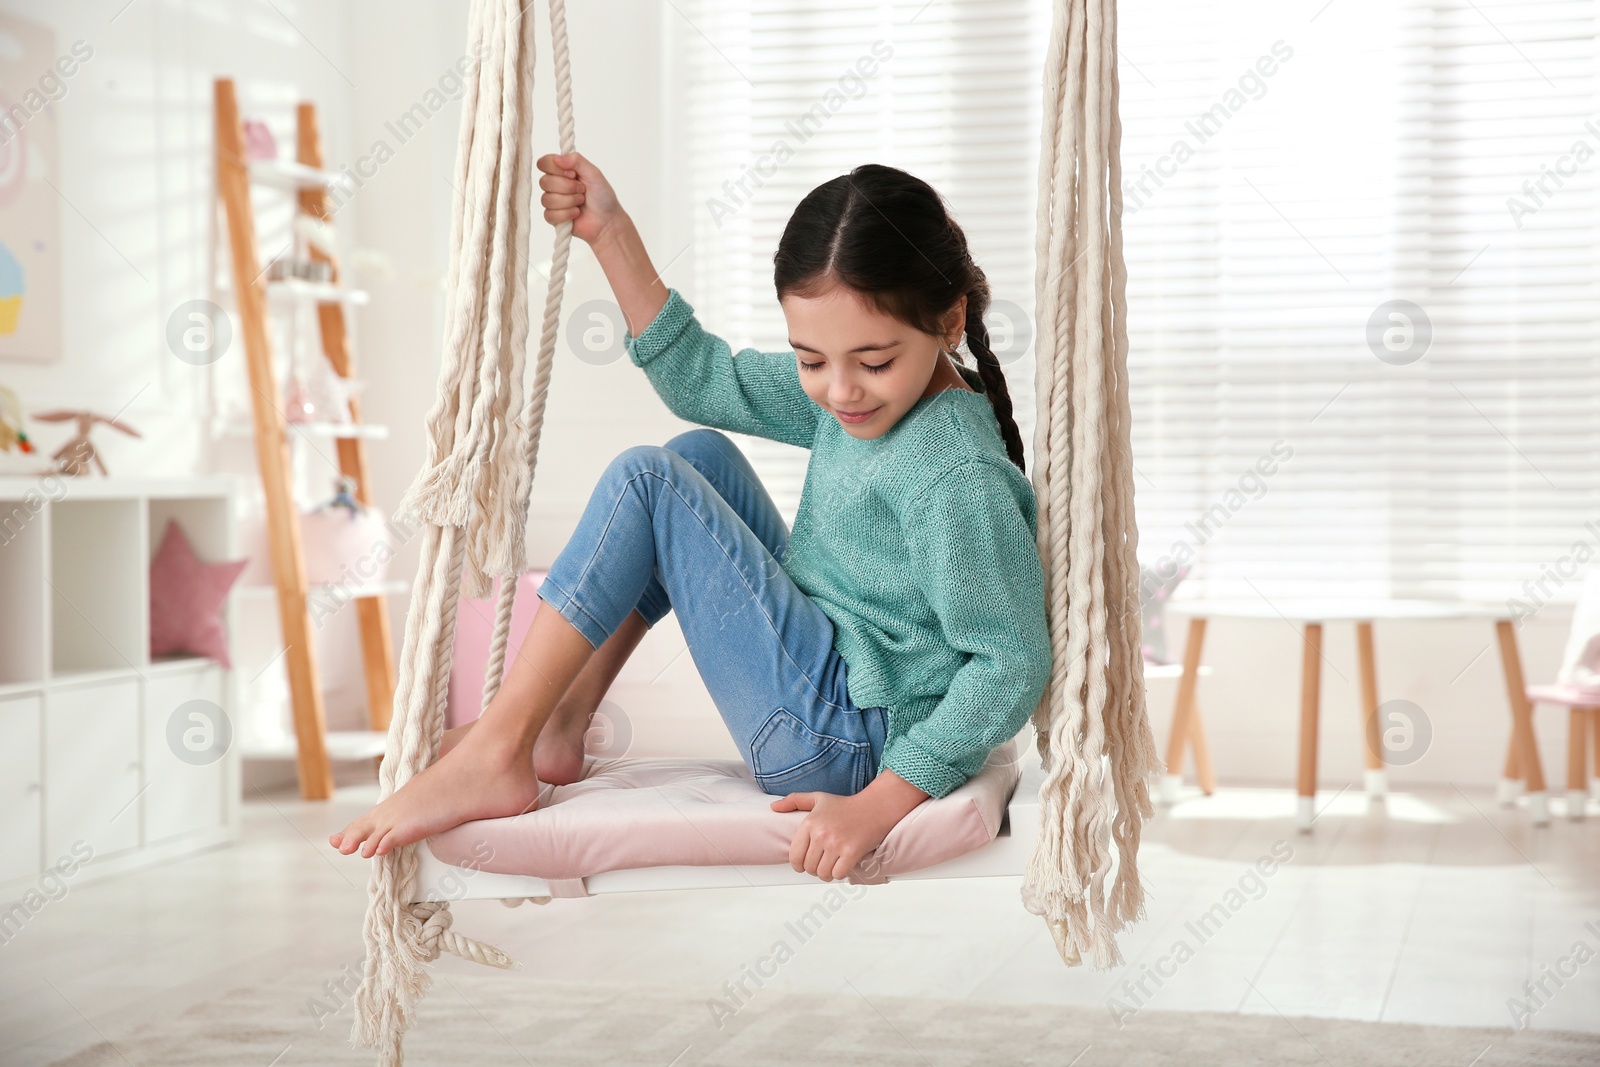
<point>723,442</point>
<point>803,725</point>
<point>599,540</point>
<point>833,742</point>
<point>756,599</point>
<point>567,599</point>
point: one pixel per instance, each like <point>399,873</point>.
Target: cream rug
<point>492,1019</point>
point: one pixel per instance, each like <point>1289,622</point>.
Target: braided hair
<point>889,236</point>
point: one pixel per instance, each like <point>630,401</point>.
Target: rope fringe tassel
<point>1094,706</point>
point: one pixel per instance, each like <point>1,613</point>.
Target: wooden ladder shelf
<point>311,184</point>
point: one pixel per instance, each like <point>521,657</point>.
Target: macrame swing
<point>472,497</point>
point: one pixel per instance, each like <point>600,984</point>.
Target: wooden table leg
<point>1527,746</point>
<point>1310,691</point>
<point>1577,762</point>
<point>1594,735</point>
<point>1203,771</point>
<point>1511,777</point>
<point>1183,711</point>
<point>1377,776</point>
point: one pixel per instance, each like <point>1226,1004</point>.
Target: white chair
<point>1577,687</point>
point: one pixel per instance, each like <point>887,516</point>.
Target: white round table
<point>1309,615</point>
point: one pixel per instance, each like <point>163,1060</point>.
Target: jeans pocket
<point>787,756</point>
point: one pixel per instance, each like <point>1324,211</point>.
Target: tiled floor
<point>1434,909</point>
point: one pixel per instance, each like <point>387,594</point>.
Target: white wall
<point>136,197</point>
<point>136,178</point>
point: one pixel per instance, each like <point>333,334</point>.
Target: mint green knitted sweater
<point>918,544</point>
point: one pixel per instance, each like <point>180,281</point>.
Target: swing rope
<point>1094,705</point>
<point>472,494</point>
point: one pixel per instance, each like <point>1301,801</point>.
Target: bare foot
<point>479,779</point>
<point>558,752</point>
<point>452,737</point>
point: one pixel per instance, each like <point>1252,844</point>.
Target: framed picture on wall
<point>33,80</point>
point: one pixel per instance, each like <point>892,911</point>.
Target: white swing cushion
<point>656,812</point>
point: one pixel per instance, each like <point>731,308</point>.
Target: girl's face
<point>854,360</point>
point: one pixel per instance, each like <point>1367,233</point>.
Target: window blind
<point>780,97</point>
<point>1353,371</point>
<point>1361,245</point>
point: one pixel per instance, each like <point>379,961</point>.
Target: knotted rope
<point>1094,705</point>
<point>435,937</point>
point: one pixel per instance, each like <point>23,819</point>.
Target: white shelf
<point>174,664</point>
<point>88,677</point>
<point>355,592</point>
<point>157,665</point>
<point>285,174</point>
<point>99,487</point>
<point>343,745</point>
<point>87,715</point>
<point>1169,670</point>
<point>315,292</point>
<point>98,559</point>
<point>371,431</point>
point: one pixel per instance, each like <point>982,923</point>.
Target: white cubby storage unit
<point>86,764</point>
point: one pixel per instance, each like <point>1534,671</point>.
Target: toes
<point>351,837</point>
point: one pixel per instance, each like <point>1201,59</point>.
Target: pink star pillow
<point>186,596</point>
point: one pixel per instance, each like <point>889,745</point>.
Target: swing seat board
<point>645,825</point>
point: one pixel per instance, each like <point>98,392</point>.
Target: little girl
<point>868,660</point>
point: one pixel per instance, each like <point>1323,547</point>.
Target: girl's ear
<point>955,321</point>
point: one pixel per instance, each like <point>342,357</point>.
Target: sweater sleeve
<point>702,381</point>
<point>973,550</point>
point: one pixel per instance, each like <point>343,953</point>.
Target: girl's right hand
<point>575,190</point>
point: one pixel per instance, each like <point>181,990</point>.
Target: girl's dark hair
<point>888,235</point>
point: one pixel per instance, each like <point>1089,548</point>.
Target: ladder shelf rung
<point>341,745</point>
<point>372,431</point>
<point>285,174</point>
<point>352,592</point>
<point>318,292</point>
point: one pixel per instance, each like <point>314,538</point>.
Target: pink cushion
<point>656,812</point>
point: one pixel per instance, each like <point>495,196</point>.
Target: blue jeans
<point>688,525</point>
